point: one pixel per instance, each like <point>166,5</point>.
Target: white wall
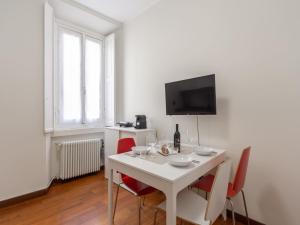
<point>28,158</point>
<point>254,49</point>
<point>23,166</point>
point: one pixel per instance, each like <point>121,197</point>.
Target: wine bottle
<point>177,138</point>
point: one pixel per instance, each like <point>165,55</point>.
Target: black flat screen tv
<point>196,96</point>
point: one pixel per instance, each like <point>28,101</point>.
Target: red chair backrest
<point>125,145</point>
<point>240,176</point>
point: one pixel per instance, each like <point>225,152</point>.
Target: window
<point>80,86</point>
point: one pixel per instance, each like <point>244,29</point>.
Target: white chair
<point>193,208</point>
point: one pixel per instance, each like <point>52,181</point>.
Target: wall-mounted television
<point>196,96</point>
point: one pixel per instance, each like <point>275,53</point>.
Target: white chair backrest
<point>217,198</point>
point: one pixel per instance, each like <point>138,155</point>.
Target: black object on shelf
<point>125,124</point>
<point>141,122</point>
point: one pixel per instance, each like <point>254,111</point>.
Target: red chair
<point>130,184</point>
<point>235,187</point>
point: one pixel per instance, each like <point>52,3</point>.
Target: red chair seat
<point>206,183</point>
<point>136,186</point>
<point>236,186</point>
<point>125,145</point>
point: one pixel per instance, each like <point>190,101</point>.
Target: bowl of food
<point>203,150</point>
<point>140,150</point>
<point>180,160</point>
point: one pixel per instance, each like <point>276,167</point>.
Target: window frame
<point>85,34</point>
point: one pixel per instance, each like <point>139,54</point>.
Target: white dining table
<point>161,175</point>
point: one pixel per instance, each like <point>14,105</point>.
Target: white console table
<point>113,134</point>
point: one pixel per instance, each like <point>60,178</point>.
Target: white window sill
<point>77,131</point>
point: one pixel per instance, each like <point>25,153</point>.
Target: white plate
<point>180,160</point>
<point>140,149</point>
<point>203,150</point>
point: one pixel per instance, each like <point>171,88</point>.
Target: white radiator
<point>79,157</point>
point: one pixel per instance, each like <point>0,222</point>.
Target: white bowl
<point>203,150</point>
<point>140,149</point>
<point>180,160</point>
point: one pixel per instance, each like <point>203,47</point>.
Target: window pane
<point>93,57</point>
<point>71,78</point>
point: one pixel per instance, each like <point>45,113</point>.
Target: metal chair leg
<point>245,205</point>
<point>116,200</point>
<point>232,211</point>
<point>143,201</point>
<point>140,209</point>
<point>155,216</point>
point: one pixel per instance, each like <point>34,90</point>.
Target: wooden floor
<point>81,201</point>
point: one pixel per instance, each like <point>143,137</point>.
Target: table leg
<point>171,208</point>
<point>224,213</point>
<point>110,197</point>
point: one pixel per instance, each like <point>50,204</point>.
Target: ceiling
<point>120,10</point>
<point>76,14</point>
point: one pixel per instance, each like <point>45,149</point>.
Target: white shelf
<point>130,129</point>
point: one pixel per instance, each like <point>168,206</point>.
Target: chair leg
<point>143,201</point>
<point>140,209</point>
<point>206,195</point>
<point>245,205</point>
<point>155,216</point>
<point>116,200</point>
<point>232,210</point>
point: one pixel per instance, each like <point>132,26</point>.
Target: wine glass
<point>190,139</point>
<point>171,130</point>
<point>151,140</point>
<point>188,136</point>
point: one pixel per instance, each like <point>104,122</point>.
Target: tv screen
<point>196,96</point>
